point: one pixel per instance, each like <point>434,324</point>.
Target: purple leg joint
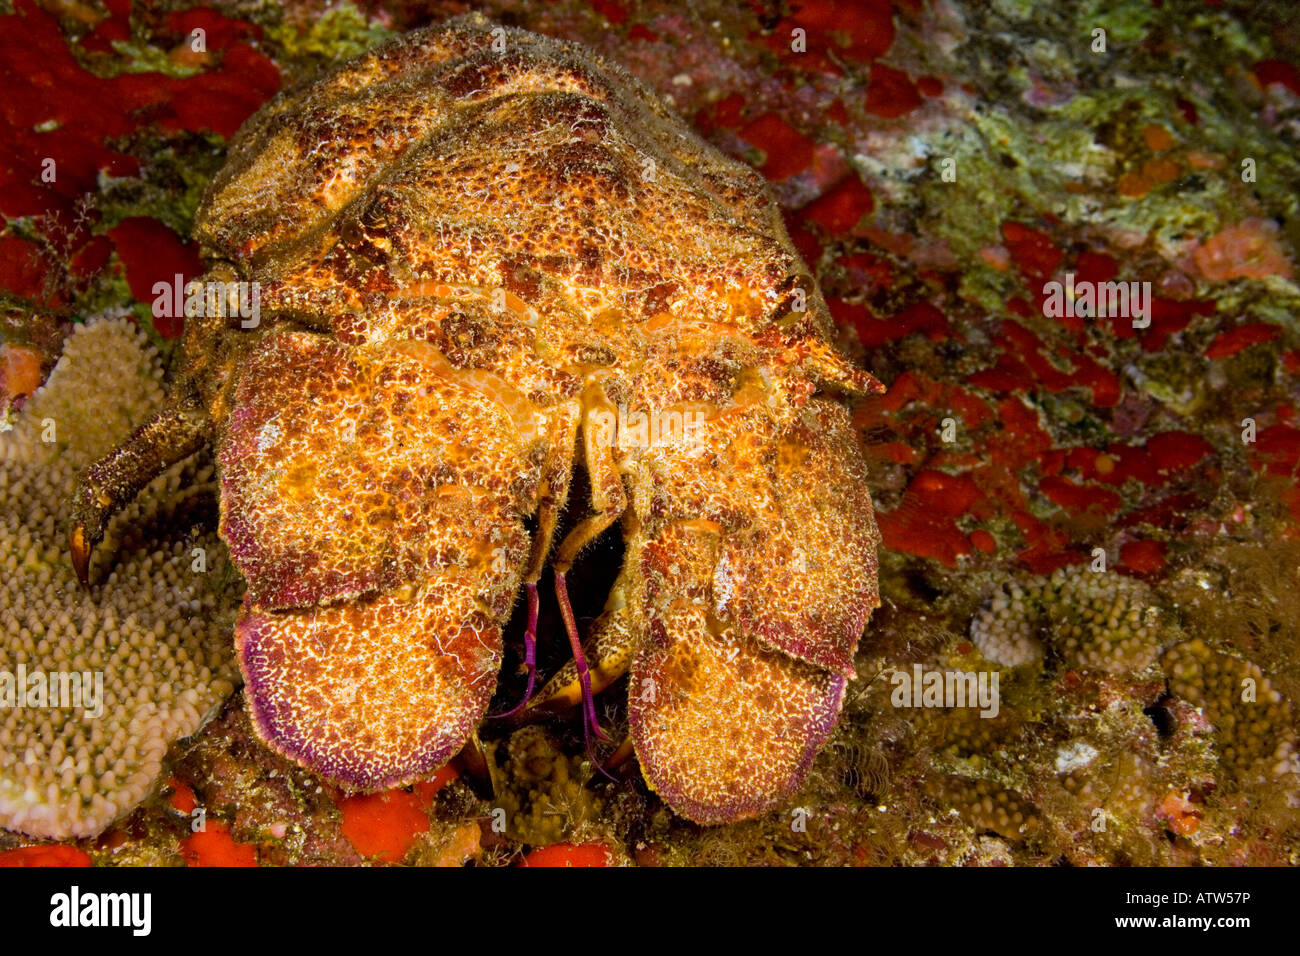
<point>589,722</point>
<point>530,650</point>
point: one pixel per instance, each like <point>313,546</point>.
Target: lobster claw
<point>80,545</point>
<point>748,614</point>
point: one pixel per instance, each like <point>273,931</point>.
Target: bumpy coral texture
<point>156,633</point>
<point>477,247</point>
<point>1096,621</point>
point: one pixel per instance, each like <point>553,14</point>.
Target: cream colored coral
<point>106,382</point>
<point>156,629</point>
<point>985,805</point>
<point>1254,722</point>
<point>1104,621</point>
<point>1095,621</point>
<point>1005,631</point>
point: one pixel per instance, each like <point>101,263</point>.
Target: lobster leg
<point>553,495</point>
<point>114,480</point>
<point>609,500</point>
<point>611,643</point>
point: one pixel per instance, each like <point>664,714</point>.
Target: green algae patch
<point>338,34</point>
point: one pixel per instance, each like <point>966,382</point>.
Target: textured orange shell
<point>476,248</point>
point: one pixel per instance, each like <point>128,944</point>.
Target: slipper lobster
<point>482,257</point>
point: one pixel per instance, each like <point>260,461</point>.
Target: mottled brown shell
<point>475,247</point>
